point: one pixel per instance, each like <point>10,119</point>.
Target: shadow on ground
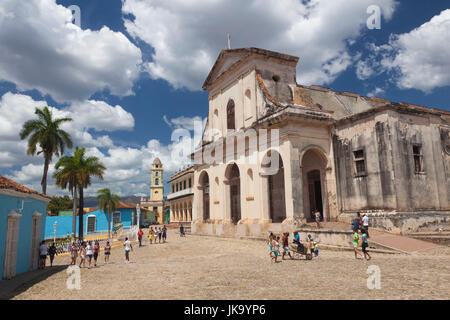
<point>20,283</point>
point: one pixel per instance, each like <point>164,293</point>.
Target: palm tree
<point>46,133</point>
<point>67,175</point>
<point>108,202</point>
<point>89,167</point>
<point>75,172</point>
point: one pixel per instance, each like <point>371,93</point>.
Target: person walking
<point>181,230</point>
<point>365,245</point>
<point>107,252</point>
<point>365,224</point>
<point>89,253</point>
<point>355,223</point>
<point>276,247</point>
<point>74,253</point>
<point>356,243</point>
<point>159,234</point>
<point>140,234</point>
<point>164,233</point>
<point>51,253</point>
<point>311,244</point>
<point>83,255</point>
<point>285,241</point>
<point>43,251</point>
<point>96,252</point>
<point>128,247</point>
<point>151,235</point>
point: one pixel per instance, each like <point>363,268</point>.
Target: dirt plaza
<point>200,267</point>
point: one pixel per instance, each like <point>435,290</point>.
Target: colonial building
<point>182,194</point>
<point>336,152</point>
<point>155,203</point>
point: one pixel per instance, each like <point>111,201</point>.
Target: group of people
<point>87,251</point>
<point>360,228</point>
<point>45,250</point>
<point>274,245</point>
<point>156,234</point>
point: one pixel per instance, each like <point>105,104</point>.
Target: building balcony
<point>179,194</point>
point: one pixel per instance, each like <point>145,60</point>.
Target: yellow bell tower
<point>156,203</point>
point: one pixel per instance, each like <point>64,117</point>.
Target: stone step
<point>437,239</point>
<point>429,233</point>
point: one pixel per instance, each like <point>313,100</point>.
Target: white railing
<point>187,191</point>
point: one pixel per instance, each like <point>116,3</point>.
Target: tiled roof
<point>8,184</point>
<point>122,205</point>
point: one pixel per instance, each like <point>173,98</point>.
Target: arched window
<point>230,115</point>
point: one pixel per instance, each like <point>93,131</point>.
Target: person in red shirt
<point>140,234</point>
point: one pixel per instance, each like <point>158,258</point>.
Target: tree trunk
<point>81,215</point>
<point>44,176</point>
<point>74,214</point>
<point>109,224</point>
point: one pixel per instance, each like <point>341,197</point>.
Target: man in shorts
<point>286,249</point>
<point>43,251</point>
<point>140,234</point>
<point>128,247</point>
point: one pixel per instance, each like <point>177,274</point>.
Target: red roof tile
<point>8,184</point>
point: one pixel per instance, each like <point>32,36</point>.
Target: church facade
<point>274,151</point>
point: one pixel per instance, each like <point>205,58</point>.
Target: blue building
<point>22,227</point>
<point>94,221</point>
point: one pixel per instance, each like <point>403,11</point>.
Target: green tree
<point>58,204</point>
<point>108,202</point>
<point>45,132</point>
<point>76,172</point>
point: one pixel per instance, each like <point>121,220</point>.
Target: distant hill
<point>91,202</point>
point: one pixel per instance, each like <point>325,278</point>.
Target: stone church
<point>336,152</point>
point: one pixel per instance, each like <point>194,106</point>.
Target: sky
<point>129,72</point>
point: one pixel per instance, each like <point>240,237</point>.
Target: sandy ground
<point>198,267</point>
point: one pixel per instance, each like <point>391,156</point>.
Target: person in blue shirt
<point>355,224</point>
<point>364,245</point>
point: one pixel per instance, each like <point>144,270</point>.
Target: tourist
<point>365,224</point>
<point>140,234</point>
<point>96,252</point>
<point>89,253</point>
<point>356,221</point>
<point>271,252</point>
<point>128,247</point>
<point>276,247</point>
<point>74,253</point>
<point>107,251</point>
<point>181,230</point>
<point>150,235</point>
<point>164,233</point>
<point>356,243</point>
<point>83,254</point>
<point>364,245</point>
<point>159,234</point>
<point>285,241</point>
<point>43,251</point>
<point>311,244</point>
<point>317,217</point>
<point>51,253</point>
<point>296,237</point>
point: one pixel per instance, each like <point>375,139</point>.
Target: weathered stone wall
<point>390,182</point>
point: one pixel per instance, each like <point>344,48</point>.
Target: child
<point>150,235</point>
<point>311,244</point>
<point>356,243</point>
<point>74,251</point>
<point>317,216</point>
<point>276,247</point>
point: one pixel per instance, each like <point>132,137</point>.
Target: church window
<point>156,174</point>
<point>157,181</point>
<point>418,158</point>
<point>360,164</point>
<point>184,184</point>
<point>231,115</point>
<point>190,183</point>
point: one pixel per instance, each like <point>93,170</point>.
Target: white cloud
<point>377,91</point>
<point>417,59</point>
<point>15,109</point>
<point>41,50</point>
<point>188,35</point>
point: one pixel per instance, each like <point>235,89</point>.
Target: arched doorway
<point>314,189</point>
<point>233,176</point>
<point>277,199</point>
<point>204,186</point>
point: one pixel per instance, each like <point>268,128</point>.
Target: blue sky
<point>141,64</point>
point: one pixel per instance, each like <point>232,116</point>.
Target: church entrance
<point>205,193</point>
<point>313,171</point>
<point>235,193</point>
<point>315,193</point>
<point>276,194</point>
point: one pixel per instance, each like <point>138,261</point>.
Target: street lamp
<point>55,225</point>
